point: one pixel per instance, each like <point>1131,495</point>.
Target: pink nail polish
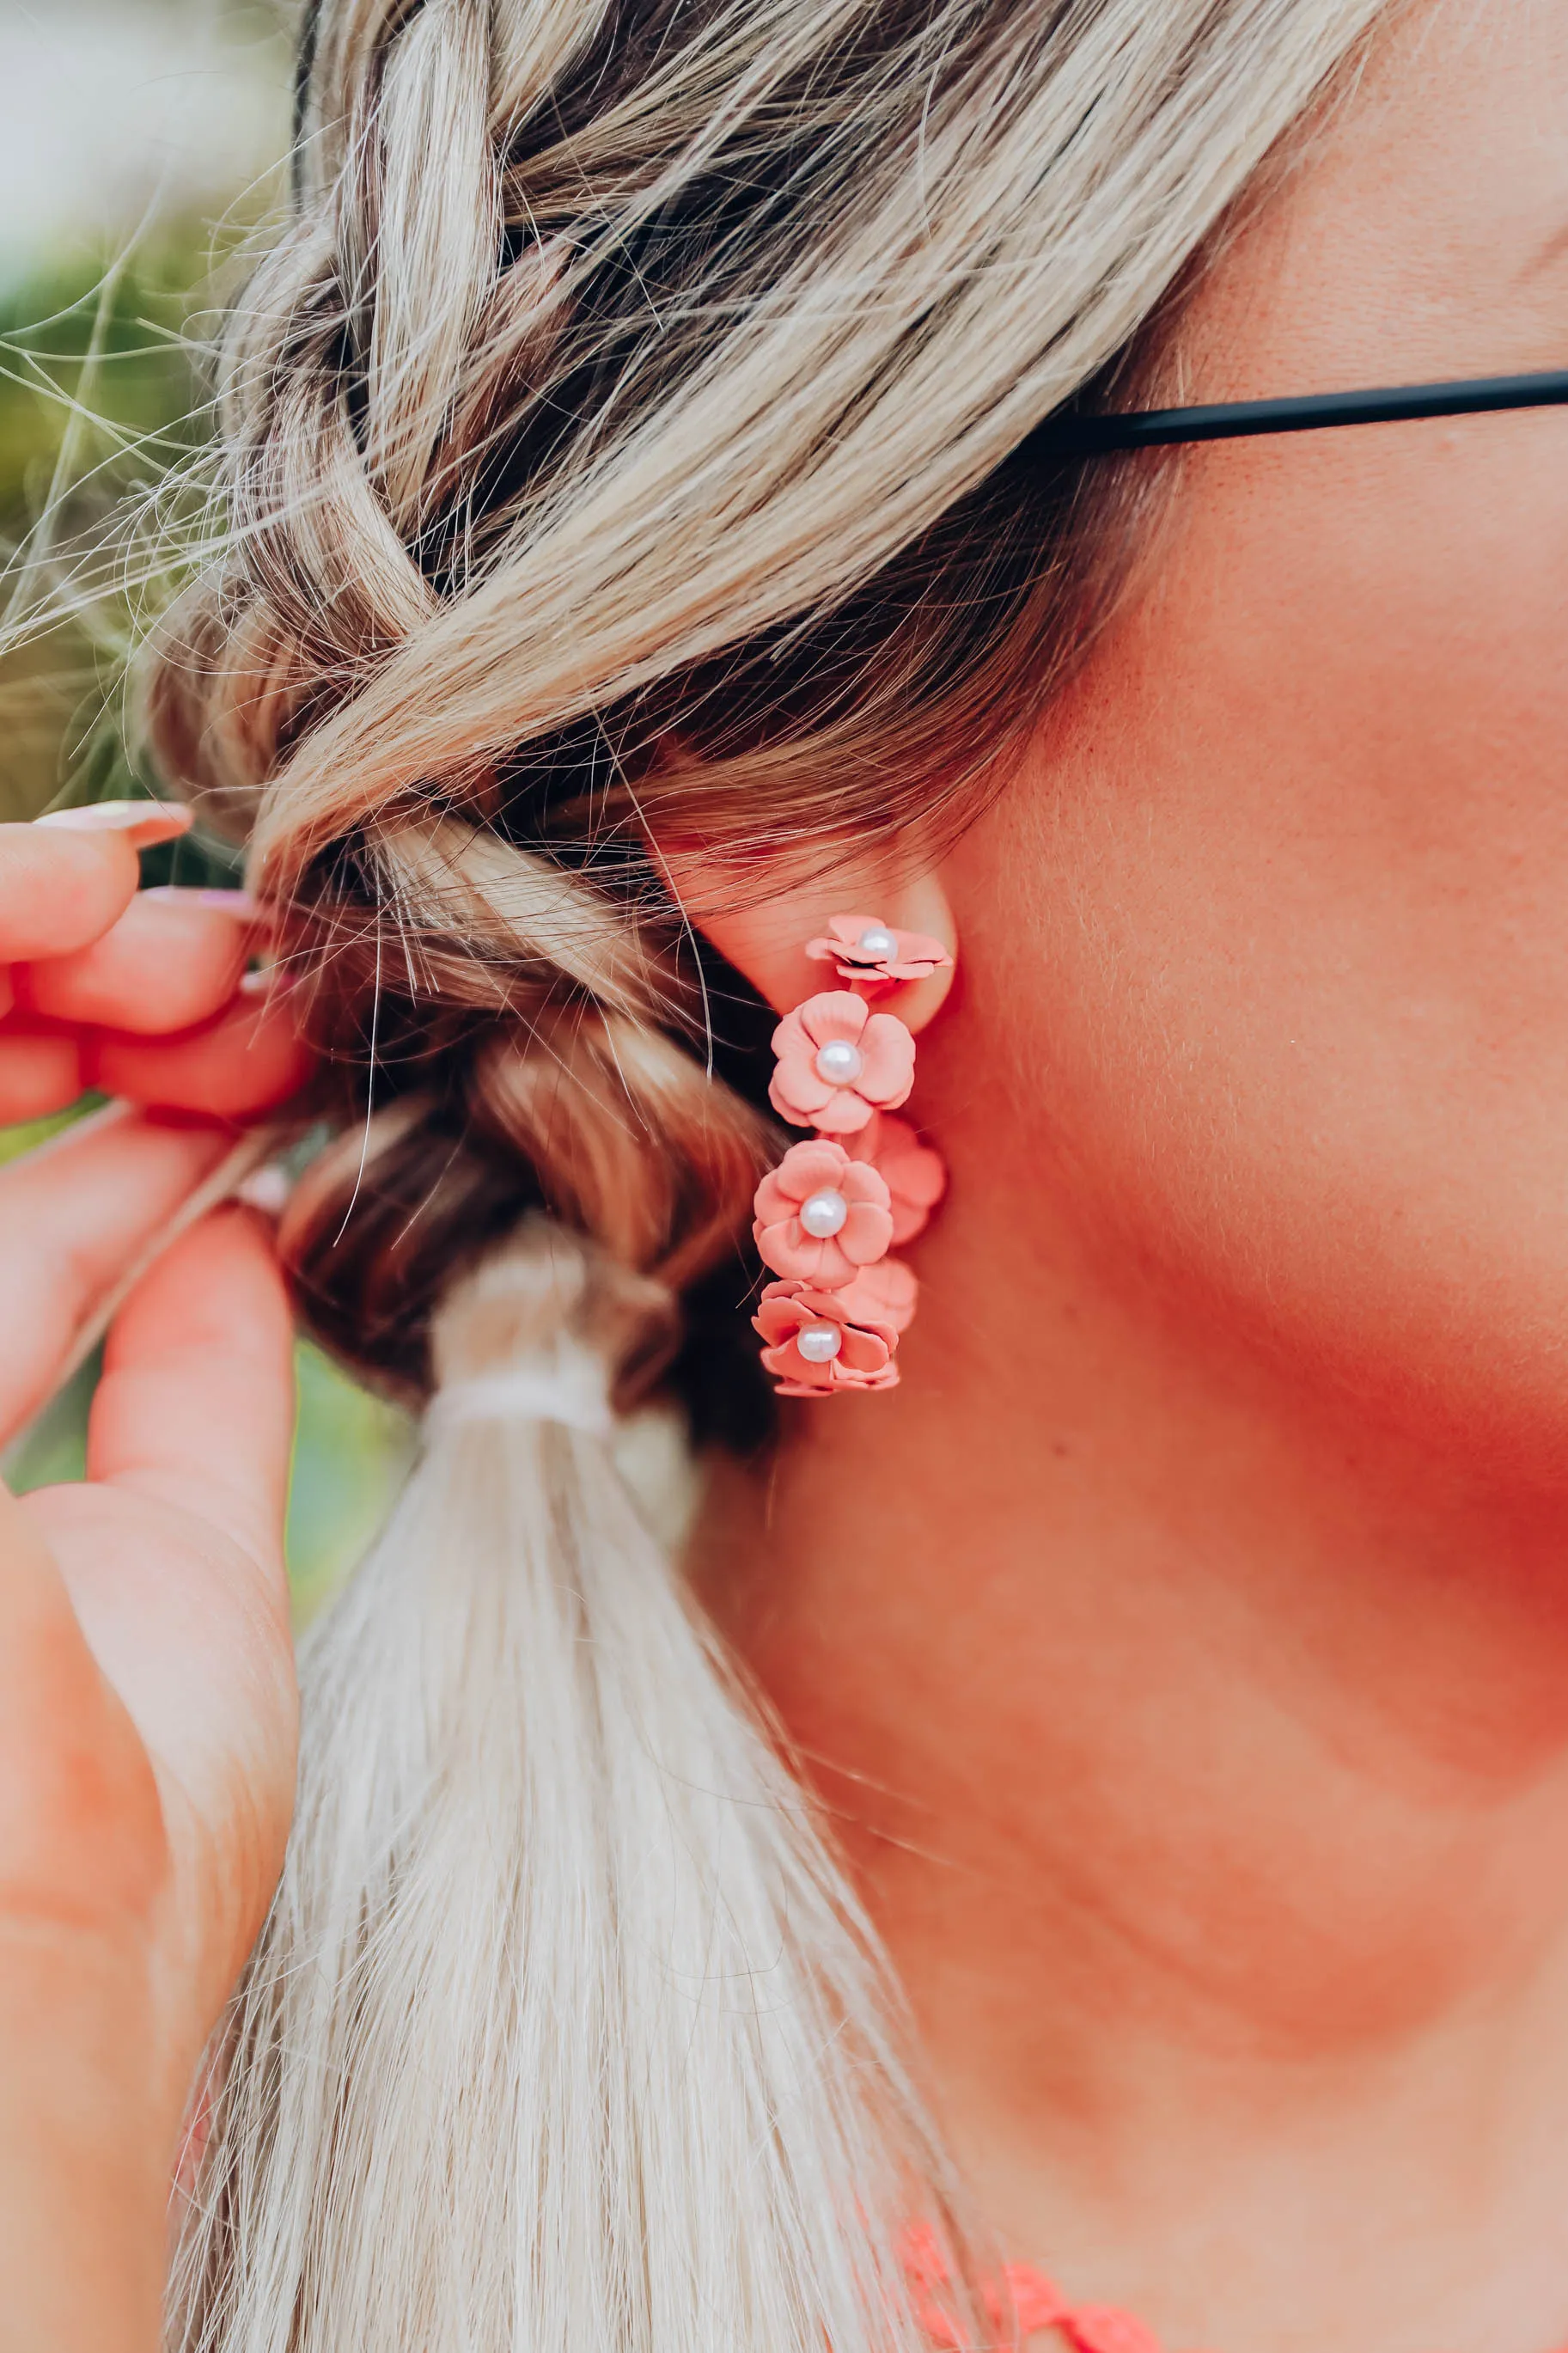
<point>265,1188</point>
<point>145,822</point>
<point>271,980</point>
<point>238,903</point>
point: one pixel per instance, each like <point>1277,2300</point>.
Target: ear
<point>767,941</point>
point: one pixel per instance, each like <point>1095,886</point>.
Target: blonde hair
<point>626,426</point>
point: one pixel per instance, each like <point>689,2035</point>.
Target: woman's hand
<point>147,1698</point>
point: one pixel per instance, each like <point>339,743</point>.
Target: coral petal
<point>789,1364</point>
<point>919,947</point>
<point>912,1170</point>
<point>808,1168</point>
<point>847,1113</point>
<point>882,1293</point>
<point>916,1176</point>
<point>780,1312</point>
<point>790,1037</point>
<point>835,1014</point>
<point>888,1056</point>
<point>912,955</point>
<point>790,1251</point>
<point>797,1094</point>
<point>859,1181</point>
<point>773,1203</point>
<point>867,1233</point>
<point>863,1351</point>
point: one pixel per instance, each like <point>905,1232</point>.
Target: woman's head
<point>621,443</point>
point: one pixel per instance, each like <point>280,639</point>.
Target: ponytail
<point>564,2031</point>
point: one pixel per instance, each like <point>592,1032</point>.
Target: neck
<point>1203,1752</point>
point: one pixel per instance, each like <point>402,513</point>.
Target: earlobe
<point>789,947</point>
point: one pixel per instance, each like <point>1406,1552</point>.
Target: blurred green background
<point>139,146</point>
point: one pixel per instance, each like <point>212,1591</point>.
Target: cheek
<point>1292,860</point>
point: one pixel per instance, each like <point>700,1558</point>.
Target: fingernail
<point>238,903</point>
<point>270,981</point>
<point>265,1188</point>
<point>146,822</point>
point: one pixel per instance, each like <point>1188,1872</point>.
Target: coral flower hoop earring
<point>828,1216</point>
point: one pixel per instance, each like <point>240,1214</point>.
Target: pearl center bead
<point>819,1343</point>
<point>875,942</point>
<point>839,1063</point>
<point>824,1214</point>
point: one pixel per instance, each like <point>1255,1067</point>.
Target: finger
<point>65,880</point>
<point>73,1216</point>
<point>173,959</point>
<point>40,1071</point>
<point>249,1059</point>
<point>171,1551</point>
<point>196,1403</point>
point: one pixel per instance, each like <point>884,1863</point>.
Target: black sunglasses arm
<point>1228,420</point>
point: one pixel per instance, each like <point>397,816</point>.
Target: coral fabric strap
<point>1027,2304</point>
<point>1023,2305</point>
<point>1228,420</point>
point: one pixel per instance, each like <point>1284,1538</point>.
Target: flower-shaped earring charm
<point>870,955</point>
<point>821,1217</point>
<point>839,1064</point>
<point>816,1346</point>
<point>826,1217</point>
<point>915,1175</point>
